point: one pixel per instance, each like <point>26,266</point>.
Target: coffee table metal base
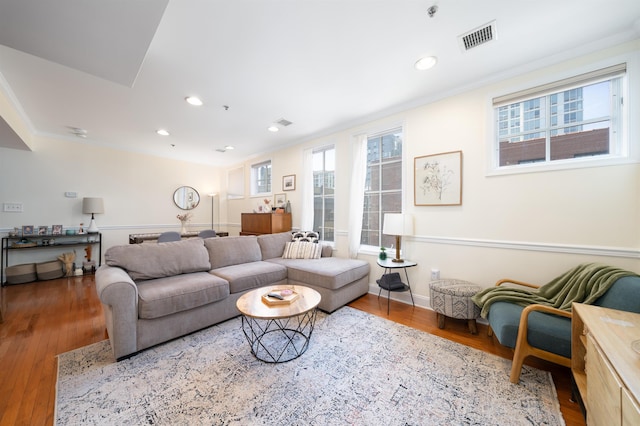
<point>281,339</point>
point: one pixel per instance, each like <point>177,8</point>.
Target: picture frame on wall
<point>27,230</point>
<point>438,179</point>
<point>279,200</point>
<point>289,183</point>
<point>56,230</point>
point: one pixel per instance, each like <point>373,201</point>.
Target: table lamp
<point>92,205</point>
<point>397,224</point>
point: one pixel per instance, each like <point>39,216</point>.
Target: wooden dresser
<point>605,367</point>
<point>265,223</point>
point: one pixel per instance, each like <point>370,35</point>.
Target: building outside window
<point>261,178</point>
<point>383,186</point>
<point>324,166</point>
<point>582,118</point>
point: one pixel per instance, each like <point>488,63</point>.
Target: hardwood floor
<point>46,318</point>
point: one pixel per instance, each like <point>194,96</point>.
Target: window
<point>563,121</point>
<point>324,183</point>
<point>261,178</point>
<point>383,186</point>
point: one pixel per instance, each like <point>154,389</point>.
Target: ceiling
<point>113,72</point>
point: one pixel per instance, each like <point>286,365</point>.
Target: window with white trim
<point>324,184</point>
<point>383,186</point>
<point>261,178</point>
<point>561,122</point>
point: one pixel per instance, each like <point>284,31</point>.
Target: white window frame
<point>367,248</point>
<point>254,179</point>
<point>618,144</point>
<point>324,197</point>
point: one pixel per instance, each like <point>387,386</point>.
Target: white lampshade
<point>397,224</point>
<point>92,205</point>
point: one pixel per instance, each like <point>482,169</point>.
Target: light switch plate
<point>12,207</point>
<point>71,194</point>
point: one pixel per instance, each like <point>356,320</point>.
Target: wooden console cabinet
<point>265,223</point>
<point>605,367</point>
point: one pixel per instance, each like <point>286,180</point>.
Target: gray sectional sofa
<point>152,293</point>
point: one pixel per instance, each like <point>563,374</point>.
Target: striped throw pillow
<point>301,250</point>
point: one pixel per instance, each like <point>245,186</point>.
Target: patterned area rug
<point>359,370</point>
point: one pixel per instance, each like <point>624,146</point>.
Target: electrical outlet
<point>435,274</point>
<point>70,194</point>
<point>12,207</point>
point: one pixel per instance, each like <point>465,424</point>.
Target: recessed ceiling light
<point>193,100</point>
<point>162,132</point>
<point>273,128</point>
<point>229,147</point>
<point>426,63</point>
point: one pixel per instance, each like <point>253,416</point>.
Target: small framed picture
<point>279,200</point>
<point>27,230</point>
<point>56,230</point>
<point>289,183</point>
<point>42,230</point>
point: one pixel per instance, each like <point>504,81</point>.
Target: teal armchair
<point>545,332</point>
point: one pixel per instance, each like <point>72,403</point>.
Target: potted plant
<point>383,254</point>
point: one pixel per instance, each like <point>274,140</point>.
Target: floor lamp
<point>397,224</point>
<point>213,196</point>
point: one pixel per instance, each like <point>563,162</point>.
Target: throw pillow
<point>301,250</point>
<point>309,236</point>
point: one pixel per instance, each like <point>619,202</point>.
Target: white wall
<point>137,190</point>
<point>530,226</point>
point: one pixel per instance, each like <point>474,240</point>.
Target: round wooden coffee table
<point>278,331</point>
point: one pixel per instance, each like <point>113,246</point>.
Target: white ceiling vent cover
<point>478,36</point>
<point>283,122</point>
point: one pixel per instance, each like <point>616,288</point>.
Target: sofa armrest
<point>117,291</point>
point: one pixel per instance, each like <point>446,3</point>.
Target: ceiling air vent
<point>481,35</point>
<point>283,122</point>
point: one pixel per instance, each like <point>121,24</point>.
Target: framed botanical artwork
<point>289,183</point>
<point>279,200</point>
<point>438,179</point>
<point>56,230</point>
<point>27,230</point>
<point>42,230</point>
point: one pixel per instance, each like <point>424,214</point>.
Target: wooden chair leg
<point>473,328</point>
<point>440,320</point>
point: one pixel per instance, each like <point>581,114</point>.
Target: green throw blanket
<point>583,284</point>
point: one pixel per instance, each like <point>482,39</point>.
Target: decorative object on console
<point>92,206</point>
<point>42,230</point>
<point>280,200</point>
<point>27,230</point>
<point>56,230</point>
<point>398,224</point>
<point>184,219</point>
<point>438,179</point>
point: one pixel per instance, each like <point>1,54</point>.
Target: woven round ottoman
<point>452,298</point>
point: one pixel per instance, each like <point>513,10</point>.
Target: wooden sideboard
<point>605,367</point>
<point>265,223</point>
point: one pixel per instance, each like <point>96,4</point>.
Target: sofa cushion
<point>166,296</point>
<point>328,272</point>
<point>149,261</point>
<point>548,332</point>
<point>229,251</point>
<point>301,250</point>
<point>272,245</point>
<point>251,275</point>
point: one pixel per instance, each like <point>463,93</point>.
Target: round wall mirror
<point>186,198</point>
